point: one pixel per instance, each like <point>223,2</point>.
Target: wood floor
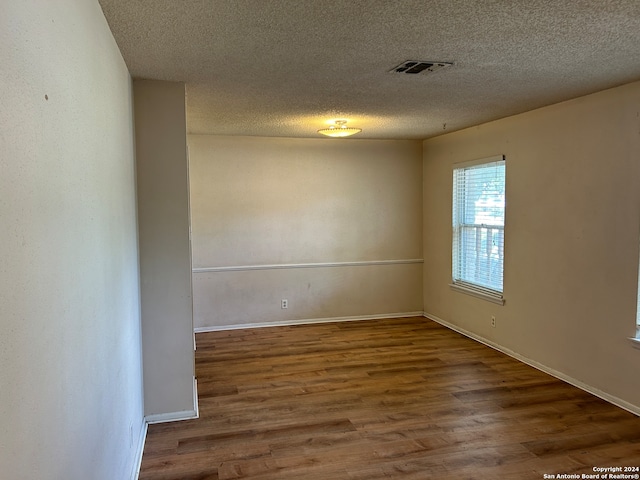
<point>396,398</point>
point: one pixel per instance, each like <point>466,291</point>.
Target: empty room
<point>284,239</point>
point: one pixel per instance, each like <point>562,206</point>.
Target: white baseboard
<point>307,321</point>
<point>171,417</point>
<point>196,407</point>
<point>539,366</point>
<point>139,451</point>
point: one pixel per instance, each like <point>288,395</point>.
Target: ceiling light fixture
<point>339,129</point>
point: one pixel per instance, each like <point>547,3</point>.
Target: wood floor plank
<point>389,398</point>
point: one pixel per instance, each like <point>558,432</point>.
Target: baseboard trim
<point>140,450</point>
<point>171,417</point>
<point>539,366</point>
<point>196,407</point>
<point>307,321</point>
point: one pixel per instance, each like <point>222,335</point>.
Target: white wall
<point>287,203</point>
<point>571,238</point>
<point>165,250</point>
<point>70,361</point>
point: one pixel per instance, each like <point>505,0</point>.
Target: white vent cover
<point>419,66</point>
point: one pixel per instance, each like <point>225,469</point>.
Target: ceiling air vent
<point>416,66</point>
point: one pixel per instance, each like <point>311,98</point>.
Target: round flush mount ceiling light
<point>339,129</point>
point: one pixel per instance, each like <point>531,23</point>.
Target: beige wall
<point>70,360</point>
<point>165,250</point>
<point>287,203</point>
<point>571,238</point>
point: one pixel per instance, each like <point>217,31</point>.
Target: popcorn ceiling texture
<point>285,67</point>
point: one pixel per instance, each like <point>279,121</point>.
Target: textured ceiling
<point>286,67</point>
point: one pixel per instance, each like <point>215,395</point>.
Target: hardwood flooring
<point>394,398</point>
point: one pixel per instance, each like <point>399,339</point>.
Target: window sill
<point>479,294</point>
<point>635,342</point>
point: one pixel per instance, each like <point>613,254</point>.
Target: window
<point>478,227</point>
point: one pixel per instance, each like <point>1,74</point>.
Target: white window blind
<point>478,226</point>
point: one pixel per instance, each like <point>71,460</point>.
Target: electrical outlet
<point>284,303</point>
<point>493,321</point>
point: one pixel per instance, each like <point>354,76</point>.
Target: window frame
<point>464,285</point>
<point>635,340</point>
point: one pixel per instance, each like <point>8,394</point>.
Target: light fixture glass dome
<point>339,129</point>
